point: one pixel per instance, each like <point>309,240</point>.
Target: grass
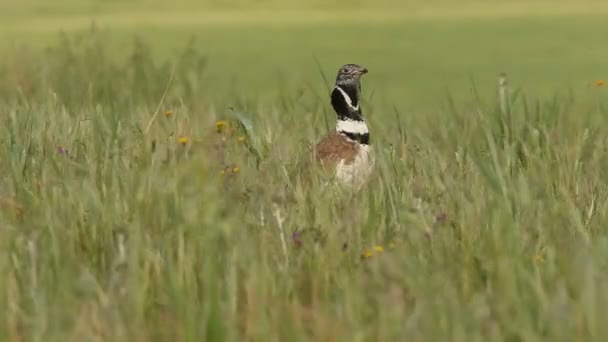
<point>414,62</point>
<point>144,181</point>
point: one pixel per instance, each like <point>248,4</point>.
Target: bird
<point>346,152</point>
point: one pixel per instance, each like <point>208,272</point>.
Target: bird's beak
<point>363,71</point>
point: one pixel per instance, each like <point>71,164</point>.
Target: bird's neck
<point>345,101</point>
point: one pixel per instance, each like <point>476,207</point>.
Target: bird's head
<point>350,74</point>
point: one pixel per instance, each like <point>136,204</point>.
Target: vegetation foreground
<point>133,209</point>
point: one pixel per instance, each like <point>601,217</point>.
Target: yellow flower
<point>241,139</point>
<point>183,140</point>
<point>539,258</point>
<point>220,125</point>
<point>168,113</point>
<point>367,254</point>
<point>379,249</point>
<point>235,170</point>
<point>600,83</point>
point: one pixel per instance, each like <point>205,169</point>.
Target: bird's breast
<point>356,172</point>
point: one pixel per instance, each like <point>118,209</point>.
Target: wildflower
<point>241,139</point>
<point>296,237</point>
<point>61,150</point>
<point>168,113</point>
<point>183,140</point>
<point>220,125</point>
<point>379,249</point>
<point>235,169</point>
<point>599,83</point>
<point>367,254</point>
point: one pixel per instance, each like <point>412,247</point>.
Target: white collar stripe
<point>347,98</point>
<point>352,126</point>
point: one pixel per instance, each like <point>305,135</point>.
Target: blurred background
<point>417,51</point>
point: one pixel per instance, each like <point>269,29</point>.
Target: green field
<point>122,219</point>
<point>416,51</point>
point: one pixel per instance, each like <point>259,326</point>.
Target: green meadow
<point>156,182</point>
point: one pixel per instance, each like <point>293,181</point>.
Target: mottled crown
<point>350,73</point>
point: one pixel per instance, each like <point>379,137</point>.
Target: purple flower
<point>61,150</point>
<point>295,237</point>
